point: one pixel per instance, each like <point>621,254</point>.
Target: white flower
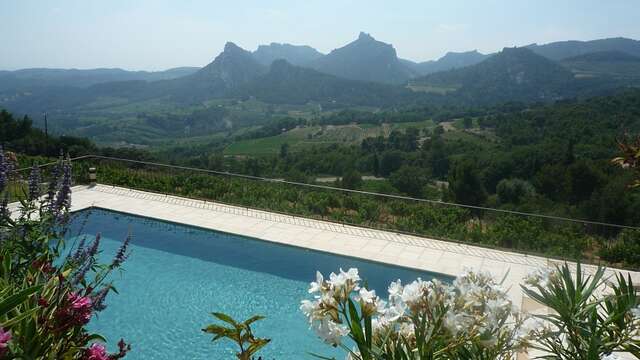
<point>528,327</point>
<point>316,286</point>
<point>366,297</point>
<point>330,332</point>
<point>538,277</point>
<point>310,309</point>
<point>352,274</point>
<point>636,312</point>
<point>395,289</point>
<point>455,322</point>
<point>394,312</point>
<point>496,310</point>
<point>412,293</point>
<point>347,281</point>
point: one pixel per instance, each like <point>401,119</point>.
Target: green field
<point>301,137</point>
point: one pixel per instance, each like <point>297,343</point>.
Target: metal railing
<point>528,233</point>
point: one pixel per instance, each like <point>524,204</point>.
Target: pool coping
<point>382,246</point>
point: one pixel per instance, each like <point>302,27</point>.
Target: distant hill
<point>515,74</point>
<point>451,60</point>
<point>566,49</point>
<point>289,84</point>
<point>232,68</point>
<point>365,59</point>
<point>300,55</point>
<point>29,78</point>
<point>612,64</point>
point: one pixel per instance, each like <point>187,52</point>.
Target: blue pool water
<point>177,275</point>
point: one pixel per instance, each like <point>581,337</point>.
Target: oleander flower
<point>368,301</point>
<point>540,277</point>
<point>5,337</point>
<point>96,352</point>
<point>76,311</point>
<point>330,332</point>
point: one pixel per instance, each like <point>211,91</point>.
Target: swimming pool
<point>177,275</point>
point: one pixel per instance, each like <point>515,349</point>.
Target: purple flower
<point>99,297</point>
<point>122,254</point>
<point>62,201</point>
<point>4,170</point>
<point>5,337</point>
<point>82,272</point>
<point>93,249</point>
<point>78,255</point>
<point>34,183</point>
<point>53,186</point>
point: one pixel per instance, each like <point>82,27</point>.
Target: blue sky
<point>159,34</point>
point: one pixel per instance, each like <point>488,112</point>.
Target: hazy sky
<point>159,34</point>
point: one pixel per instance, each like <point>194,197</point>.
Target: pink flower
<point>76,311</point>
<point>5,337</point>
<point>81,308</point>
<point>96,352</point>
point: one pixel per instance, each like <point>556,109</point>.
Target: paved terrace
<point>383,246</point>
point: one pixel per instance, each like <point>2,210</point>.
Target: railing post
<point>92,176</point>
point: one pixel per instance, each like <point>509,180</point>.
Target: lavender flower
<point>122,253</point>
<point>4,170</point>
<point>34,183</point>
<point>99,298</point>
<point>53,186</point>
<point>62,201</point>
<point>93,249</point>
<point>81,272</point>
<point>77,256</point>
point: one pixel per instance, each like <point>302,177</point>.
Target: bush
<point>514,190</point>
<point>48,293</point>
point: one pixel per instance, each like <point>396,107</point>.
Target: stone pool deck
<point>383,246</point>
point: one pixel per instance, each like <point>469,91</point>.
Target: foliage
<point>351,180</point>
<point>514,190</point>
<point>411,180</point>
<point>48,292</point>
<point>465,184</point>
<point>591,316</point>
<point>240,333</point>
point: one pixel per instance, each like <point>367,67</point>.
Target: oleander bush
<point>590,317</point>
<point>49,290</point>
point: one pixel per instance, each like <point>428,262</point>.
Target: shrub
<point>48,294</point>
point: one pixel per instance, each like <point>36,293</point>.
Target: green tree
<point>390,162</point>
<point>351,179</point>
<point>465,185</point>
<point>514,190</point>
<point>411,180</point>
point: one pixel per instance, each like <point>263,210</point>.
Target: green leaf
<point>14,300</point>
<point>226,318</point>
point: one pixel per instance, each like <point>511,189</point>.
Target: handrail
<point>331,188</point>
